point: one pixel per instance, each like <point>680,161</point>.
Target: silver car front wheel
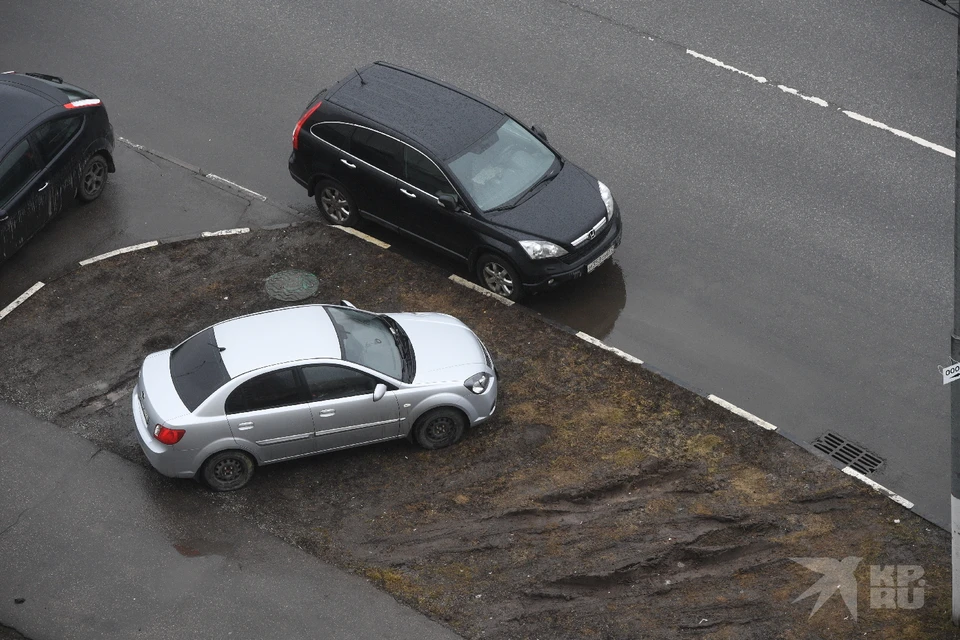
<point>439,428</point>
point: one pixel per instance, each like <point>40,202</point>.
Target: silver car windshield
<point>502,165</point>
<point>367,340</point>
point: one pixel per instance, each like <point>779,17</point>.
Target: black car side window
<point>275,389</point>
<point>328,382</point>
<point>53,136</point>
<point>336,133</point>
<point>381,151</point>
<point>16,169</point>
<point>424,174</point>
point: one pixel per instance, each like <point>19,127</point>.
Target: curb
<point>244,192</point>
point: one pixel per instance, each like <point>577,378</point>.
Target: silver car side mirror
<point>347,303</point>
<point>379,391</point>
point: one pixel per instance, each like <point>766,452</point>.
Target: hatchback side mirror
<point>537,131</point>
<point>379,391</point>
<point>448,201</point>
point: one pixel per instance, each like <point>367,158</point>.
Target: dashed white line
<point>20,300</point>
<point>110,254</point>
<point>794,92</point>
<point>478,288</point>
<point>902,134</point>
<point>362,236</point>
<point>225,232</point>
<point>261,198</point>
<point>740,412</point>
<point>623,354</point>
<point>890,494</point>
<point>724,65</point>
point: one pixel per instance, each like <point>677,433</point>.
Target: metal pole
<point>955,354</point>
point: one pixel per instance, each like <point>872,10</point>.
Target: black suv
<point>56,142</point>
<point>452,171</point>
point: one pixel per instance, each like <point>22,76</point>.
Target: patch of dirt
<point>602,501</point>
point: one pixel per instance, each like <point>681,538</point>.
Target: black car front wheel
<point>228,470</point>
<point>439,428</point>
<point>499,276</point>
<point>93,178</point>
<point>335,203</point>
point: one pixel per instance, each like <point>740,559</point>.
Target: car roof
<point>443,119</point>
<point>20,104</point>
<point>273,337</point>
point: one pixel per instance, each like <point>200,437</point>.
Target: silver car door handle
<point>407,193</point>
<point>45,185</point>
<point>326,413</point>
<point>245,426</point>
<point>352,166</point>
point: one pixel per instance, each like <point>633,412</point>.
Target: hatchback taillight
<point>167,436</point>
<point>303,118</point>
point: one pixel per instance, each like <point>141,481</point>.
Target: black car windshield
<point>369,341</point>
<point>502,165</point>
<point>197,369</point>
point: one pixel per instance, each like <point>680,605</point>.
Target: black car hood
<point>561,211</point>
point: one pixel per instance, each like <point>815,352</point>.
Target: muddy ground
<point>602,501</point>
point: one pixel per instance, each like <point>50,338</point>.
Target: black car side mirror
<point>448,202</point>
<point>537,131</point>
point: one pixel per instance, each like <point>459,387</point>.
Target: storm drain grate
<point>847,453</point>
<point>291,286</point>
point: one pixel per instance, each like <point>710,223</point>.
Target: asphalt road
<point>777,253</point>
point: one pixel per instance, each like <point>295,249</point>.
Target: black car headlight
<point>478,382</point>
<point>607,199</point>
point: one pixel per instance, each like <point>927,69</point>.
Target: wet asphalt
<point>776,252</point>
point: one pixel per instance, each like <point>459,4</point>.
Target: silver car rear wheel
<point>439,428</point>
<point>228,470</point>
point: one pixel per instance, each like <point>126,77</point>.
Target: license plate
<point>601,259</point>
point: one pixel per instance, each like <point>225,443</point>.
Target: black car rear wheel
<point>439,428</point>
<point>499,276</point>
<point>335,203</point>
<point>93,177</point>
<point>228,470</point>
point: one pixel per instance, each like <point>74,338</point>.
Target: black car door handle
<point>45,185</point>
<point>407,193</point>
<point>352,166</point>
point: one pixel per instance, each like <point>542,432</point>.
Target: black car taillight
<point>306,115</point>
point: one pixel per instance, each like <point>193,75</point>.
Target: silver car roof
<point>273,337</point>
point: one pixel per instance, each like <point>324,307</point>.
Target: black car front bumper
<point>540,275</point>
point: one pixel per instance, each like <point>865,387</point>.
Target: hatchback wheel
<point>499,276</point>
<point>228,470</point>
<point>439,428</point>
<point>335,203</point>
<point>93,177</point>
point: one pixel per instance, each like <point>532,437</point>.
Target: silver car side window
<point>279,388</point>
<point>329,382</point>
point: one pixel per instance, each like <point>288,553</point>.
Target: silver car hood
<point>445,348</point>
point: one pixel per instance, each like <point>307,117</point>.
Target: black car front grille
<point>590,245</point>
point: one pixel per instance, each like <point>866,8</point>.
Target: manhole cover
<point>291,286</point>
<point>848,453</point>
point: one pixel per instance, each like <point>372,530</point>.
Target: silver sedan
<point>303,380</point>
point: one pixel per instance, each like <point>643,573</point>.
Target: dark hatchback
<point>457,173</point>
<point>56,143</point>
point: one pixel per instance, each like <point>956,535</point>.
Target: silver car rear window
<point>197,369</point>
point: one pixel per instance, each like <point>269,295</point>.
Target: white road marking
<point>225,232</point>
<point>132,144</point>
<point>890,494</point>
<point>819,101</point>
<point>623,354</point>
<point>902,134</point>
<point>19,301</point>
<point>823,103</point>
<point>362,236</point>
<point>253,193</point>
<point>110,254</point>
<point>486,292</point>
<point>740,412</point>
<point>723,65</point>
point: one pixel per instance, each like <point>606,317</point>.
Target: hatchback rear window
<point>197,369</point>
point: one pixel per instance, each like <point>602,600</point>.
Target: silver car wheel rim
<point>439,430</point>
<point>93,179</point>
<point>228,470</point>
<point>497,278</point>
<point>335,204</point>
